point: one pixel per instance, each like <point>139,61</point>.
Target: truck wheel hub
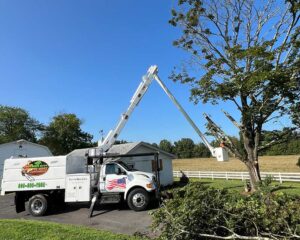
<point>138,200</point>
<point>37,206</point>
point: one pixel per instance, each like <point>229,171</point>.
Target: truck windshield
<point>126,167</point>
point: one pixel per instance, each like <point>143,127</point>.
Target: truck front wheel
<point>37,205</point>
<point>138,199</point>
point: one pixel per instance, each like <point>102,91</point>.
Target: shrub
<point>200,212</point>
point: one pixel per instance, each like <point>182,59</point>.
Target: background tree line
<point>64,134</point>
<point>187,148</point>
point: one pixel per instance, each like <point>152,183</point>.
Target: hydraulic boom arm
<point>147,79</point>
<point>136,98</point>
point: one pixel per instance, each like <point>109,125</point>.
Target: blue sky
<point>88,57</point>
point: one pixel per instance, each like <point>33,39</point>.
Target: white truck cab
<point>136,187</point>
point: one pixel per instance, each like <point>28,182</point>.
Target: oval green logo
<point>35,168</point>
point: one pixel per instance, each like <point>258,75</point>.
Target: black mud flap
<point>19,202</point>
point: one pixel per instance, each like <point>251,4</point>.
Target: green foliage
<point>200,150</point>
<point>166,146</point>
<point>197,210</point>
<point>64,134</point>
<point>184,148</point>
<point>16,124</point>
<point>295,112</point>
<point>291,147</point>
<point>30,230</point>
<point>287,142</point>
<point>266,185</point>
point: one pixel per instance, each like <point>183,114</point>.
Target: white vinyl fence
<point>277,176</point>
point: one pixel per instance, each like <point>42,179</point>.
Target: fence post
<point>242,176</point>
<point>280,179</point>
<point>212,175</point>
<point>199,174</point>
<point>226,176</point>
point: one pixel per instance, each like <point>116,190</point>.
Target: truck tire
<point>138,199</point>
<point>37,205</point>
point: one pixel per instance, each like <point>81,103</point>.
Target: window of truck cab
<point>112,168</point>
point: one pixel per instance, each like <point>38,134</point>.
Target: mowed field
<point>267,164</point>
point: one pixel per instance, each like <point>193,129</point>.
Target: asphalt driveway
<point>117,218</point>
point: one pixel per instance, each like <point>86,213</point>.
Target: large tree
<point>245,52</point>
<point>16,123</point>
<point>64,134</point>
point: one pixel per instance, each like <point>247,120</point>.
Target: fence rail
<point>277,176</point>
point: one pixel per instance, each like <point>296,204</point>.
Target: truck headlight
<point>149,185</point>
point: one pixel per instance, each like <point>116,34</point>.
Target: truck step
<point>110,198</point>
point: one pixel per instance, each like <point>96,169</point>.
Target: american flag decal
<point>116,183</point>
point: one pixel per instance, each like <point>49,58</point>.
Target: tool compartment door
<point>78,188</point>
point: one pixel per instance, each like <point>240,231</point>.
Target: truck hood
<point>140,174</point>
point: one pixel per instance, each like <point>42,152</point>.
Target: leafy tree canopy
<point>166,145</point>
<point>245,52</point>
<point>184,148</point>
<point>16,124</point>
<point>64,134</point>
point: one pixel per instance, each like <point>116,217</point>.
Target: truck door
<point>115,178</point>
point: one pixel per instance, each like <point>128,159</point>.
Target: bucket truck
<point>84,175</point>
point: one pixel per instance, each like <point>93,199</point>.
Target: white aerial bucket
<point>221,154</point>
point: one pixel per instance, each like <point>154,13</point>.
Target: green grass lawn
<point>238,185</point>
<point>32,230</point>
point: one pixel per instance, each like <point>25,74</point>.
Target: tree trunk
<point>254,174</point>
<point>251,159</point>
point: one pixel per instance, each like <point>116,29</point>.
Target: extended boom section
<point>137,96</point>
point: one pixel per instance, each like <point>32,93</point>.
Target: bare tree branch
<point>293,23</point>
<point>239,126</point>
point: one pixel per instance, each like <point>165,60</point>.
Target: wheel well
<point>131,189</point>
<point>47,193</point>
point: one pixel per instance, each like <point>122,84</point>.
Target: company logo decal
<point>35,168</point>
